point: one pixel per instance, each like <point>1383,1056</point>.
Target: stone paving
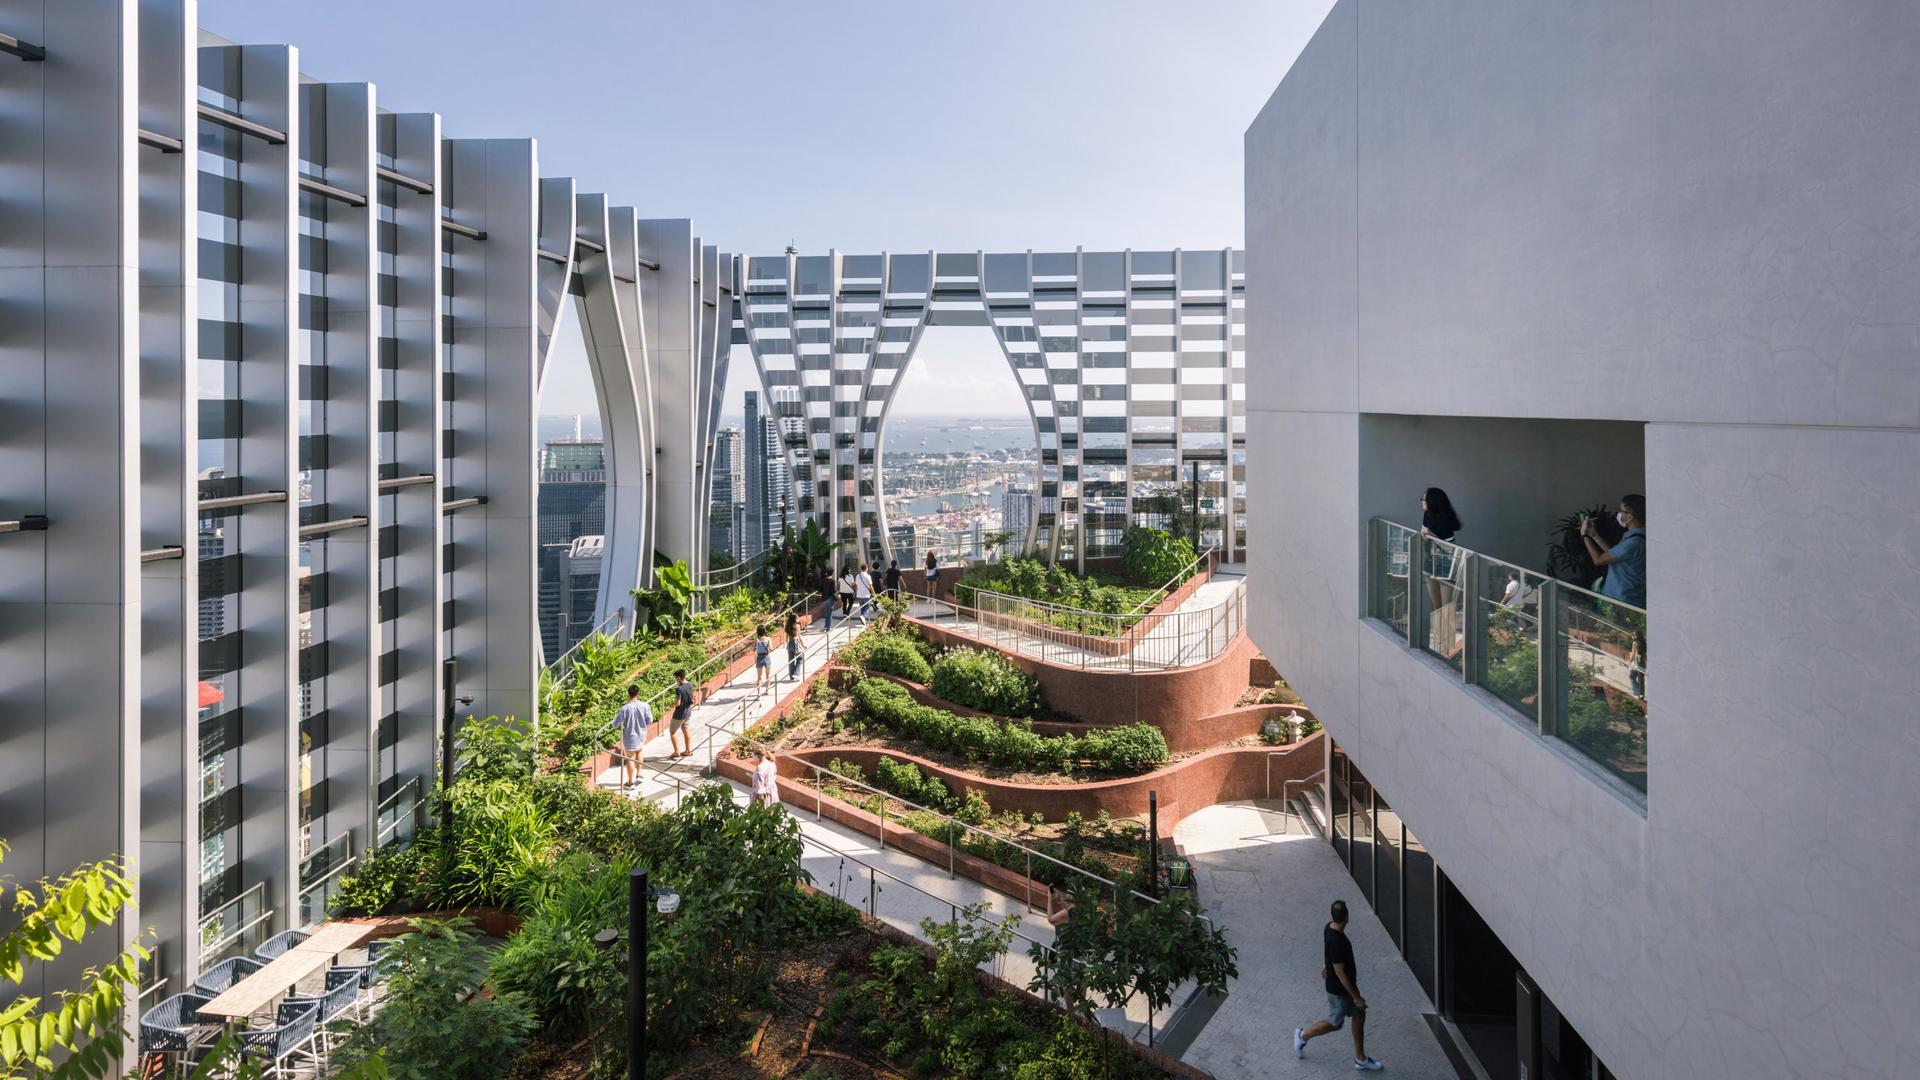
<point>1271,893</point>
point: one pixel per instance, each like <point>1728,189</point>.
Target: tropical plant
<point>813,552</point>
<point>1567,557</point>
<point>81,1036</point>
<point>503,849</point>
<point>435,1023</point>
<point>495,750</point>
<point>671,597</point>
<point>995,541</point>
<point>985,680</point>
<point>1130,748</point>
<point>387,879</point>
<point>1153,556</point>
<point>553,964</point>
<point>937,1014</point>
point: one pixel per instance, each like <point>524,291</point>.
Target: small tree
<point>669,600</point>
<point>1116,946</point>
<point>85,1028</point>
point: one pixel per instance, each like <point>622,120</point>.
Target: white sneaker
<point>1299,1042</point>
<point>1367,1065</point>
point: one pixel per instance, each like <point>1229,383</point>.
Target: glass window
<point>1362,819</point>
<point>1342,804</point>
<point>1419,945</point>
<point>1386,868</point>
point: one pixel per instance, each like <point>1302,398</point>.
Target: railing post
<point>1417,592</point>
<point>1549,702</point>
<point>1473,657</point>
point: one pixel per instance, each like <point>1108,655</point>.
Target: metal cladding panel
<point>495,350</point>
<point>673,319</point>
<point>617,375</point>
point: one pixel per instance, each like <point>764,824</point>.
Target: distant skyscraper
<point>726,535</point>
<point>768,481</point>
<point>1016,513</point>
<point>573,504</point>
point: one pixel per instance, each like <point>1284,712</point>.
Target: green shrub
<point>905,780</point>
<point>1153,557</point>
<point>387,879</point>
<point>434,1025</point>
<point>984,680</point>
<point>553,965</point>
<point>895,654</point>
<point>1130,749</point>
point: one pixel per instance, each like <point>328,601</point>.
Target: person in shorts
<point>933,572</point>
<point>893,579</point>
<point>682,712</point>
<point>633,720</point>
<point>762,661</point>
<point>1343,994</point>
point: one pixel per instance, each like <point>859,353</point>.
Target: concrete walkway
<point>1271,893</point>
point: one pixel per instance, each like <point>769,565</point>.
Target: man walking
<point>633,720</point>
<point>682,712</point>
<point>1343,994</point>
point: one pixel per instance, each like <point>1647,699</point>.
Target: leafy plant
<point>553,965</point>
<point>435,1024</point>
<point>905,780</point>
<point>1155,557</point>
<point>1114,946</point>
<point>84,1029</point>
<point>386,879</point>
<point>495,750</point>
<point>503,847</point>
<point>985,680</point>
<point>1128,749</point>
<point>895,654</point>
<point>670,598</point>
<point>1567,557</point>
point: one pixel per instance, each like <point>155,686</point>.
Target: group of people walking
<point>635,718</point>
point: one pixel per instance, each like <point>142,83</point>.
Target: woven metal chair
<point>286,1046</point>
<point>340,997</point>
<point>276,946</point>
<point>220,978</point>
<point>174,1026</point>
<point>373,972</point>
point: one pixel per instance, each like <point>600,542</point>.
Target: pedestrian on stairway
<point>766,776</point>
<point>793,645</point>
<point>893,579</point>
<point>846,591</point>
<point>633,720</point>
<point>1343,994</point>
<point>682,712</point>
<point>863,591</point>
<point>762,660</point>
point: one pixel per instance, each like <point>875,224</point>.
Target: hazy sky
<point>862,126</point>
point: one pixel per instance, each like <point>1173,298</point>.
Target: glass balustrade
<point>1570,660</point>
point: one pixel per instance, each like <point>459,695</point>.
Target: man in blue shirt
<point>633,719</point>
<point>1626,561</point>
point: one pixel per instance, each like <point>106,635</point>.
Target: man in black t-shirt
<point>1343,993</point>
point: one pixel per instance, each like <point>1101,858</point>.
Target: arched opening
<point>958,453</point>
<point>750,496</point>
<point>571,504</point>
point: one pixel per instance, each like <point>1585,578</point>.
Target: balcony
<point>1569,661</point>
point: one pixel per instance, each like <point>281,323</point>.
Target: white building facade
<point>1543,256</point>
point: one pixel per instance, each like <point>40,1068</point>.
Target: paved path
<point>1271,893</point>
<point>1207,623</point>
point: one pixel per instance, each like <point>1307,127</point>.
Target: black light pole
<point>448,667</point>
<point>638,896</point>
<point>1195,471</point>
<point>1153,843</point>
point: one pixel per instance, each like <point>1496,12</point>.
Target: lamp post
<point>448,668</point>
<point>665,901</point>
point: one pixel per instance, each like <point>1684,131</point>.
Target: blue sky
<point>862,126</point>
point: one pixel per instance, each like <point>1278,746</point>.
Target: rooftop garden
<point>755,974</point>
<point>1104,604</point>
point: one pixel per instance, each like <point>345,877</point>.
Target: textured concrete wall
<point>1700,218</point>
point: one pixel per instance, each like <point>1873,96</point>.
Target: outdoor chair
<point>289,1042</point>
<point>174,1026</point>
<point>340,997</point>
<point>277,946</point>
<point>373,972</point>
<point>220,978</point>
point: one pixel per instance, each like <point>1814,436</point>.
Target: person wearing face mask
<point>1625,562</point>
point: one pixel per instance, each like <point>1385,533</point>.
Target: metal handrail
<point>1286,804</point>
<point>266,913</point>
<point>1197,636</point>
<point>618,618</point>
<point>733,650</point>
<point>392,802</point>
<point>1174,582</point>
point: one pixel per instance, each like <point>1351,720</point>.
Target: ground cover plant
<point>1126,750</point>
<point>1106,847</point>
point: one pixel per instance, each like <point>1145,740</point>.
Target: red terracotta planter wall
<point>1120,697</point>
<point>1224,775</point>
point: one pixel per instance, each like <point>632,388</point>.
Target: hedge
<point>1134,748</point>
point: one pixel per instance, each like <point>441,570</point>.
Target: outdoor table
<point>259,990</point>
